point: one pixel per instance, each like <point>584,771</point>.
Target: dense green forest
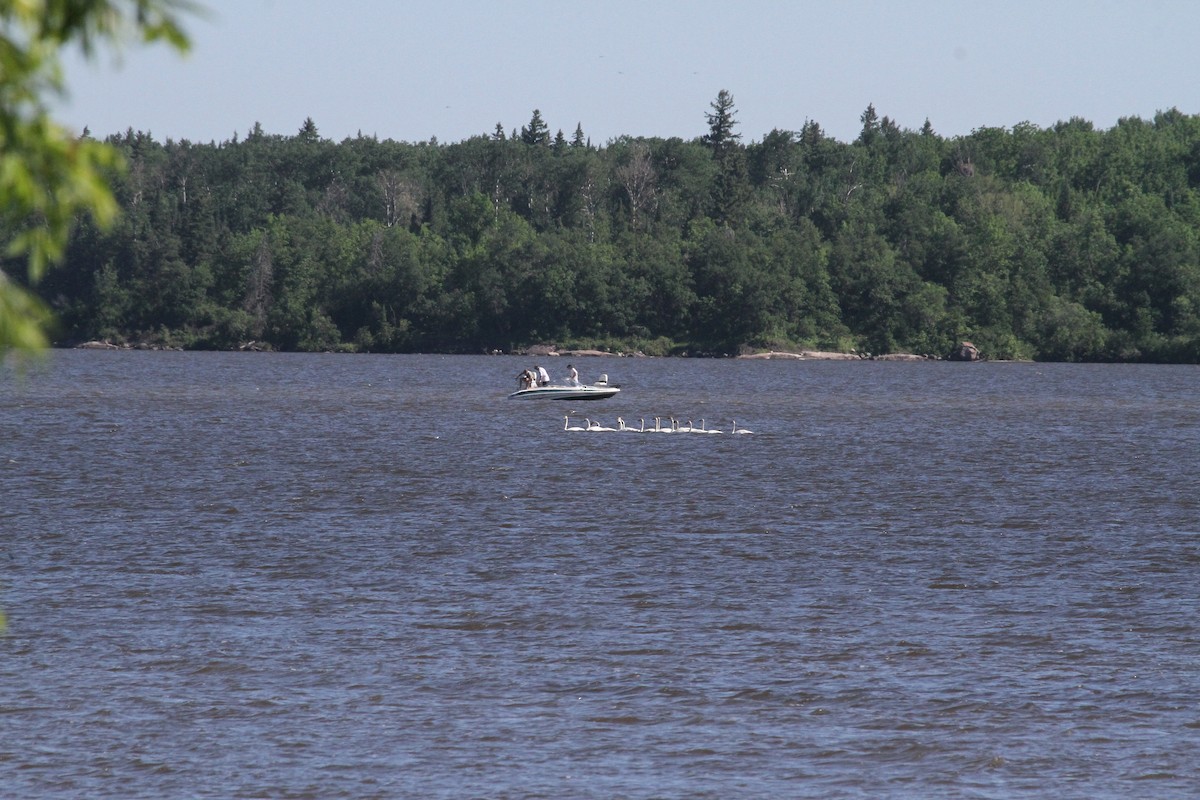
<point>1067,243</point>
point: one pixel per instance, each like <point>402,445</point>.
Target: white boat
<point>596,391</point>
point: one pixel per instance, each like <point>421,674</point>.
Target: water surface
<point>304,576</point>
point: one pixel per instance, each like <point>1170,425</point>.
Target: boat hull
<point>565,393</point>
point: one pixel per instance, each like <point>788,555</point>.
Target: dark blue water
<point>286,576</point>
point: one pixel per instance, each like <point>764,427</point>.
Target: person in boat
<point>572,375</point>
<point>525,379</point>
<point>543,377</point>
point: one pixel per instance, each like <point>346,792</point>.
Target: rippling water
<point>297,576</point>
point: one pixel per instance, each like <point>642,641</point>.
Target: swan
<point>596,426</point>
<point>567,426</point>
<point>703,429</point>
<point>621,426</point>
<point>736,429</point>
<point>688,429</point>
<point>658,428</point>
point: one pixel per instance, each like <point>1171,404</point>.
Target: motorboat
<point>599,390</point>
<point>566,392</point>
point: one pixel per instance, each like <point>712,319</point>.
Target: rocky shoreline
<point>801,355</point>
<point>965,352</point>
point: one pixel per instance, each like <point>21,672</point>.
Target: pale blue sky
<point>451,69</point>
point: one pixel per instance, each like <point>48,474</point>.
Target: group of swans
<point>672,426</point>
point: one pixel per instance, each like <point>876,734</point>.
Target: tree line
<point>1062,243</point>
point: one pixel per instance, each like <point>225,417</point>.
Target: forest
<point>1067,243</point>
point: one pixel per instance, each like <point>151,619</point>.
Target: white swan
<point>567,426</point>
<point>688,429</point>
<point>703,429</point>
<point>596,426</point>
<point>621,426</point>
<point>658,428</point>
<point>736,429</point>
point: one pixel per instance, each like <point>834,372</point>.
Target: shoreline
<point>801,355</point>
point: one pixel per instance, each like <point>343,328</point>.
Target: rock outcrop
<point>966,352</point>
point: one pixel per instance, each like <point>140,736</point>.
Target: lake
<point>251,575</point>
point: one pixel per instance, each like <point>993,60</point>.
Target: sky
<point>452,69</point>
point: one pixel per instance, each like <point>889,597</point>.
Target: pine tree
<point>308,131</point>
<point>870,124</point>
<point>730,185</point>
<point>721,137</point>
<point>537,132</point>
